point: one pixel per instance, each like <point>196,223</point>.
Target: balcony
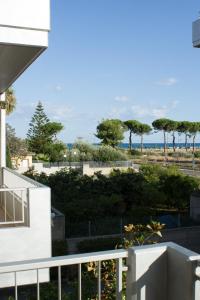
<point>196,34</point>
<point>24,27</point>
<point>154,272</point>
<point>25,221</point>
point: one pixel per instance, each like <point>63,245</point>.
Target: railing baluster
<point>13,202</point>
<point>5,207</point>
<point>79,283</point>
<point>22,199</point>
<point>16,290</point>
<point>59,283</point>
<point>119,270</point>
<point>38,285</point>
<point>99,280</point>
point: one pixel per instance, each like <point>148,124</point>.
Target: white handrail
<point>12,189</point>
<point>67,260</point>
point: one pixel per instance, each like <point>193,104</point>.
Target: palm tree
<point>10,101</point>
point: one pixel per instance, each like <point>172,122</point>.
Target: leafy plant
<point>135,235</point>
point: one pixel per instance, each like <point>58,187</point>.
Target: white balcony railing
<point>59,262</point>
<point>154,272</point>
<point>13,206</point>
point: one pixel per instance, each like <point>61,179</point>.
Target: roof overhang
<point>24,27</point>
<point>196,34</point>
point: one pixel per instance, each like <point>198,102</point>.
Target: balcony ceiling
<point>14,59</point>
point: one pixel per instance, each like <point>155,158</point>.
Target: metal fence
<point>110,164</point>
<point>115,225</point>
<point>92,164</point>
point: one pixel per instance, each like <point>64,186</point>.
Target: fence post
<point>89,228</point>
<point>179,220</point>
<point>121,226</point>
<point>131,293</point>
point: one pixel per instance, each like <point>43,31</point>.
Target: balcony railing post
<point>119,283</point>
<point>130,282</point>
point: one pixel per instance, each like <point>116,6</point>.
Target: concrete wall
<point>58,225</point>
<point>87,170</point>
<point>28,242</point>
<point>185,236</point>
<point>161,272</point>
<point>195,206</point>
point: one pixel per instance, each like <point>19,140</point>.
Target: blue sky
<point>122,59</point>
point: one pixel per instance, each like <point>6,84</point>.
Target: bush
<point>179,154</point>
<point>197,154</point>
<point>135,152</point>
<point>107,153</point>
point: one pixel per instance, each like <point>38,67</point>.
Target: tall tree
<point>141,130</point>
<point>164,126</point>
<point>172,127</point>
<point>10,101</point>
<point>111,132</point>
<point>193,130</point>
<point>132,126</point>
<point>36,137</point>
<point>16,147</point>
<point>184,127</point>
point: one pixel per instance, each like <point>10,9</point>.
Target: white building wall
<point>26,13</point>
<point>163,271</point>
<point>31,242</point>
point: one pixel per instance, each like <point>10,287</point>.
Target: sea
<point>146,145</point>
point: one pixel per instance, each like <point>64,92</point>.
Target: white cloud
<point>154,112</point>
<point>58,112</point>
<point>121,98</point>
<point>58,88</point>
<point>168,81</point>
<point>117,113</point>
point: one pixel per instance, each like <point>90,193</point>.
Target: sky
<point>126,59</point>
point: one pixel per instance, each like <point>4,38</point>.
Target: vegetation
<point>42,136</point>
<point>17,147</point>
<point>137,128</point>
<point>83,151</point>
<point>120,194</point>
<point>132,126</point>
<point>10,101</point>
<point>111,132</point>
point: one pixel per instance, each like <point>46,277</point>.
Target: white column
<point>2,133</point>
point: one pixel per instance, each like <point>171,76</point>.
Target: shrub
<point>107,153</point>
<point>135,152</point>
<point>197,154</point>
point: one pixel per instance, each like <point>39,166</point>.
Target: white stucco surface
<point>30,242</point>
<point>25,13</point>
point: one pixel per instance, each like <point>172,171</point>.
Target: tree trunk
<point>186,141</point>
<point>141,146</point>
<point>130,141</point>
<point>193,144</point>
<point>165,147</point>
<point>174,140</point>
